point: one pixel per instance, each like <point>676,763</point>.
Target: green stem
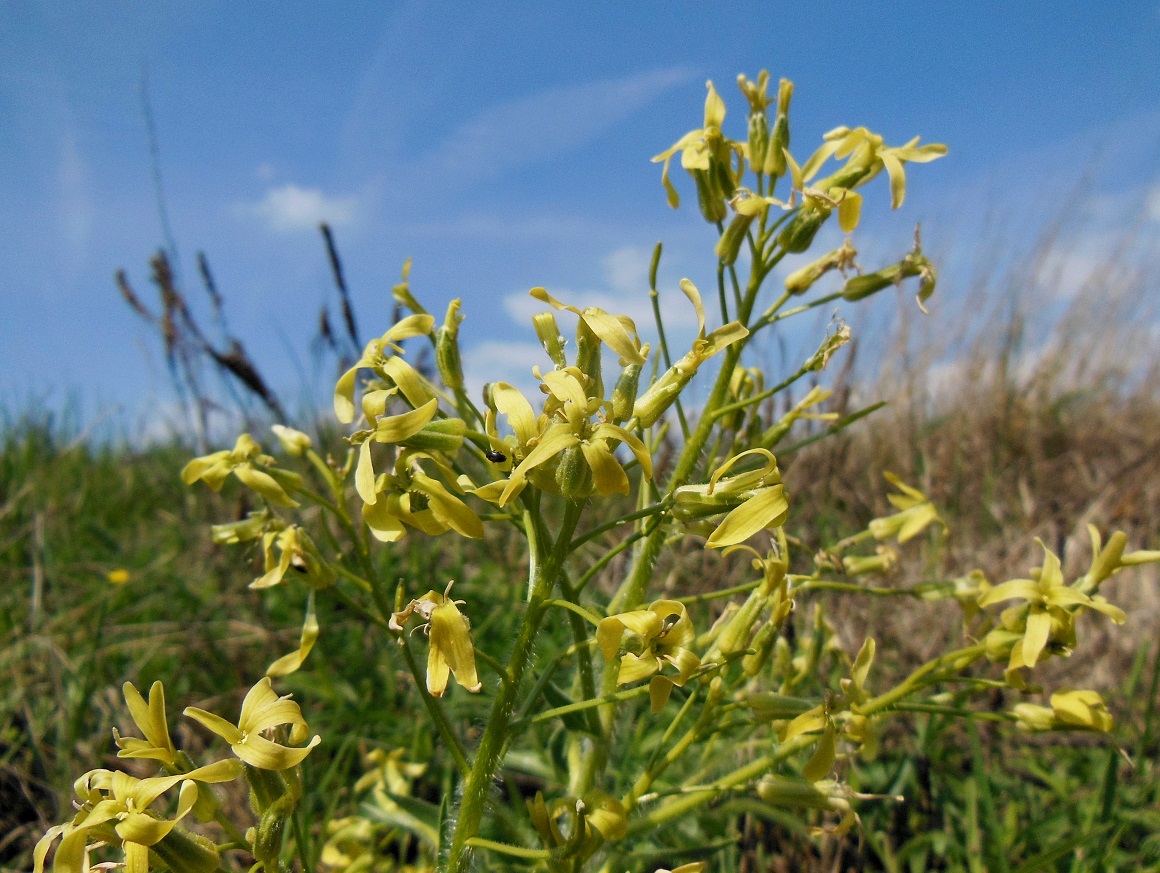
<point>654,509</point>
<point>833,429</point>
<point>675,807</point>
<point>508,849</point>
<point>921,677</point>
<point>545,572</point>
<point>435,711</point>
<point>581,706</point>
<point>577,610</point>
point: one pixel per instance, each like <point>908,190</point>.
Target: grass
<point>1012,443</point>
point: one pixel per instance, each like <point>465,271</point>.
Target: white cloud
<point>1154,202</point>
<point>543,124</point>
<point>291,207</point>
<point>626,269</point>
<point>510,362</point>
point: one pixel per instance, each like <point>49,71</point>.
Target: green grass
<point>71,511</point>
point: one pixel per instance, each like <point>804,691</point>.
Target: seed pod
<point>186,852</point>
<point>767,706</point>
<point>730,243</point>
<point>859,287</point>
<point>574,476</point>
<point>441,435</point>
<point>268,839</point>
<point>447,358</point>
<point>709,197</point>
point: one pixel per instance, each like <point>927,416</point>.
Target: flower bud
<point>550,337</point>
<point>268,839</point>
<point>799,793</point>
<point>1033,718</point>
<point>883,562</point>
<point>588,359</point>
<point>402,292</point>
<point>735,636</point>
<point>730,243</point>
<point>624,393</point>
<point>775,163</point>
<point>249,528</point>
<point>447,359</point>
<point>294,442</point>
<point>799,234</point>
<point>661,395</point>
<point>762,646</point>
<point>801,280</point>
<point>758,140</point>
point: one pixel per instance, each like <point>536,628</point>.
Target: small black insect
<point>494,456</point>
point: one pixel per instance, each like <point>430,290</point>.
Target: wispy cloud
<point>76,207</point>
<point>1154,202</point>
<point>509,362</point>
<point>546,123</point>
<point>625,292</point>
<point>290,207</point>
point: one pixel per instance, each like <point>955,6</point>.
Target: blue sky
<point>502,145</point>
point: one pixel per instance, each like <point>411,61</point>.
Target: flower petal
<point>1038,632</point>
<point>767,508</point>
<point>451,638</point>
<point>257,751</point>
<point>215,723</point>
<point>634,668</point>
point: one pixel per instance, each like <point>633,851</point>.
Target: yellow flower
<point>1069,710</point>
<point>659,635</point>
<point>1049,613</point>
<point>409,497</point>
<point>113,807</point>
<point>120,576</point>
<point>215,468</point>
<point>416,429</point>
<point>451,650</point>
<point>565,448</point>
<point>915,513</point>
<point>590,821</point>
<point>376,356</point>
<point>866,156</point>
<point>294,442</point>
<point>618,332</point>
<point>296,549</point>
<point>707,155</point>
<point>754,499</point>
<point>663,392</point>
<point>150,720</point>
<point>262,711</point>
